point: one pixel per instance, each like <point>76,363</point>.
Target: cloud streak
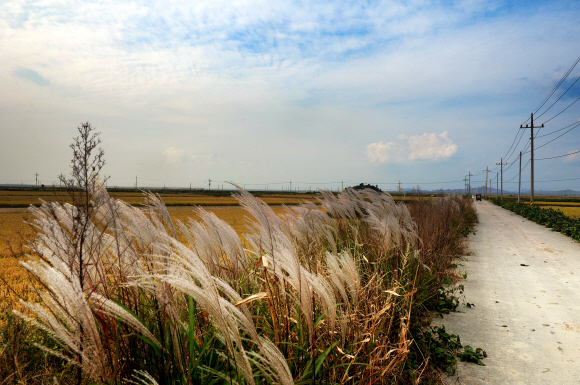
<point>30,75</point>
<point>429,147</point>
<point>176,156</point>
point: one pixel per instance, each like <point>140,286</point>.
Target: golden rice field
<point>568,211</point>
<point>15,232</point>
<point>557,203</point>
<point>12,198</point>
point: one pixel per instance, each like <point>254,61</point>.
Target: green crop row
<point>549,217</point>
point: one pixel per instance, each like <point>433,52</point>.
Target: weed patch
<point>549,217</point>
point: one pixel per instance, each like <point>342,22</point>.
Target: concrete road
<point>525,283</point>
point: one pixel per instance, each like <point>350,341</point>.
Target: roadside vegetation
<point>337,292</point>
<point>554,219</point>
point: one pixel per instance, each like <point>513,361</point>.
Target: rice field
<point>15,232</point>
<point>568,211</point>
<point>11,198</point>
<point>575,204</point>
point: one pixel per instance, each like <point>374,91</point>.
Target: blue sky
<point>262,92</point>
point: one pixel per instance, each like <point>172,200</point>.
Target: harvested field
<point>9,198</point>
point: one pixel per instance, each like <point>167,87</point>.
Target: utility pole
<point>501,164</point>
<point>342,185</point>
<point>496,184</point>
<point>36,179</point>
<point>469,183</point>
<point>520,175</point>
<point>486,170</point>
<point>209,184</point>
<point>135,182</point>
<point>531,127</point>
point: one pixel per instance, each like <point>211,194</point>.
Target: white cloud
<point>429,147</point>
<point>383,152</point>
<point>573,157</point>
<point>176,156</point>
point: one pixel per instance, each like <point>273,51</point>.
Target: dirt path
<point>527,318</point>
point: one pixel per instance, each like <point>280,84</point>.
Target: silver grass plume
<point>271,238</point>
<point>188,274</point>
<point>141,377</point>
<point>69,313</point>
<point>216,242</point>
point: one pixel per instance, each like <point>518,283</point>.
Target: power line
<point>551,180</point>
<point>553,132</point>
<point>558,100</point>
<point>555,88</point>
<point>526,165</point>
<point>559,156</point>
<point>515,148</point>
<point>570,105</point>
<point>506,156</point>
<point>559,136</point>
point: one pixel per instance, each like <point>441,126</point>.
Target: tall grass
<point>321,294</point>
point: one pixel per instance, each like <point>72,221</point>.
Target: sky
<point>322,94</point>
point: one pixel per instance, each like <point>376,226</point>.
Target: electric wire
<point>570,105</point>
<point>552,105</point>
<point>515,148</point>
<point>559,136</point>
<point>559,156</point>
<point>508,151</point>
<point>555,88</point>
<point>511,164</point>
<point>546,181</point>
<point>523,168</point>
<point>553,132</point>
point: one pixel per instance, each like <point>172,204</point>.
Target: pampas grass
<point>320,293</point>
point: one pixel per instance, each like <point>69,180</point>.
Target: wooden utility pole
<point>531,127</point>
<point>469,182</point>
<point>501,164</point>
<point>486,170</point>
<point>497,184</point>
<point>209,184</point>
<point>36,179</point>
<point>520,175</point>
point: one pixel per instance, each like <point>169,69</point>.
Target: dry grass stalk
<point>310,267</point>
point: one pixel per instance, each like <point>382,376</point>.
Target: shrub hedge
<point>554,219</point>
